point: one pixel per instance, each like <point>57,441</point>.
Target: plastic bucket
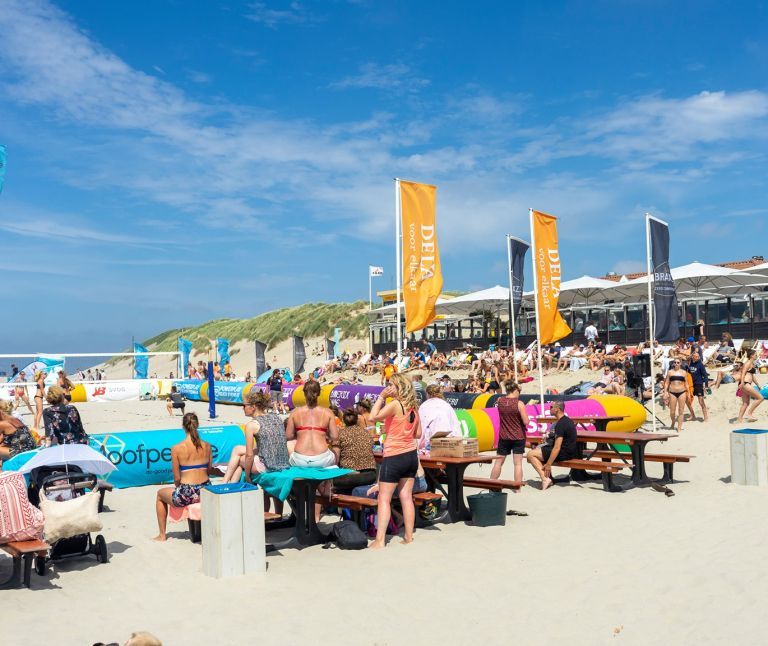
<point>489,508</point>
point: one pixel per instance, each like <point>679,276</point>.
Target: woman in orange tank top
<point>401,462</point>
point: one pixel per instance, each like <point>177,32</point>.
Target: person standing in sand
<point>562,445</point>
<point>20,394</point>
<point>401,461</point>
<point>748,388</point>
<point>513,420</point>
<point>676,392</point>
<point>39,396</point>
<point>191,462</point>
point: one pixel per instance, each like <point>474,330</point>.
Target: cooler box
<point>233,530</point>
<point>749,456</point>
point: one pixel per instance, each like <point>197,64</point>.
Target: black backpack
<point>347,536</point>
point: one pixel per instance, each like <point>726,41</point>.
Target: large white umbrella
<point>701,280</point>
<point>491,299</point>
<point>80,455</point>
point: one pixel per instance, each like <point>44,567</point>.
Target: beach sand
<point>584,567</point>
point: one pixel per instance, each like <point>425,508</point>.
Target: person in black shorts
<point>700,381</point>
<point>513,421</point>
<point>175,400</point>
<point>561,445</point>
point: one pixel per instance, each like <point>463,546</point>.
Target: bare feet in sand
<point>406,540</point>
<point>376,546</point>
<point>546,483</point>
<point>160,538</point>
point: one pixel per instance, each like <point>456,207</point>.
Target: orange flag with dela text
<point>422,277</point>
<point>546,258</point>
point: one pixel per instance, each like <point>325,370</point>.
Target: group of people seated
<point>61,422</point>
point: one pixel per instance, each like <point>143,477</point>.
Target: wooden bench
<point>668,460</point>
<point>103,486</point>
<point>606,469</point>
<point>26,551</point>
<point>358,504</point>
<point>492,485</point>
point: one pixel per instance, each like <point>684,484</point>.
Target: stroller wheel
<point>40,565</point>
<point>101,549</point>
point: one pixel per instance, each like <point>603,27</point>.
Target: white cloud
<point>393,76</point>
<point>289,14</point>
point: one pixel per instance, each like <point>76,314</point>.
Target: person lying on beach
<point>191,463</point>
<point>560,446</point>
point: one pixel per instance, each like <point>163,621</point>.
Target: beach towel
<point>19,520</point>
<point>278,483</point>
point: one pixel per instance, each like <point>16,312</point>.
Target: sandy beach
<point>584,566</point>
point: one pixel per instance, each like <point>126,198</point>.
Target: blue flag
<point>185,348</point>
<point>223,350</point>
<point>140,362</point>
<point>2,167</point>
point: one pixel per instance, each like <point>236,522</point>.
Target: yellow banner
<point>422,277</point>
<point>552,326</point>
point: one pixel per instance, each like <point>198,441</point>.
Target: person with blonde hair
<point>191,463</point>
<point>15,437</point>
<point>62,420</point>
<point>20,393</point>
<point>748,388</point>
<point>266,431</point>
<point>401,462</point>
<point>39,395</point>
<point>64,382</point>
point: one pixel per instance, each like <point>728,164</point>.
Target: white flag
<point>376,271</point>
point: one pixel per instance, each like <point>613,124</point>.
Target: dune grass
<point>308,320</point>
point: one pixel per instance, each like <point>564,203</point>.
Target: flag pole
<point>398,264</point>
<point>370,307</point>
<point>650,316</point>
<point>511,307</point>
<point>536,304</point>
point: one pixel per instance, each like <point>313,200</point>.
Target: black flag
<point>517,250</point>
<point>261,360</point>
<point>330,349</point>
<point>299,354</point>
<point>666,316</point>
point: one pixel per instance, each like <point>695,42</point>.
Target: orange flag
<point>546,259</point>
<point>422,277</point>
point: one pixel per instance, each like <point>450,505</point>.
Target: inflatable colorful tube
<point>477,414</point>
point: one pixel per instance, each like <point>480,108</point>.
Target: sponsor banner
<point>222,347</point>
<point>548,272</point>
<point>666,317</point>
<point>144,457</point>
<point>299,354</point>
<point>140,362</point>
<point>190,388</point>
<point>347,396</point>
<point>185,348</point>
<point>115,391</point>
<point>261,360</point>
<point>422,276</point>
<point>517,250</point>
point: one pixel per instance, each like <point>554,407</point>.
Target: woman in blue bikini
<point>191,460</point>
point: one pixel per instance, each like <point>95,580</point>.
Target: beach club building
<point>732,297</point>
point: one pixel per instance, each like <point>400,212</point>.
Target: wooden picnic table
<point>636,441</point>
<point>600,422</point>
<point>454,469</point>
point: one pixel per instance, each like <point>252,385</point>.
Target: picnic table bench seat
<point>25,551</point>
<point>491,484</point>
<point>357,504</point>
<point>668,460</point>
<point>606,469</point>
<point>103,486</point>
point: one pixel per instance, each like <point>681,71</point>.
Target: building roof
<point>733,264</point>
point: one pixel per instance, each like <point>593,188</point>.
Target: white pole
<point>511,306</point>
<point>536,304</point>
<point>650,315</point>
<point>86,354</point>
<point>398,263</point>
<point>370,307</point>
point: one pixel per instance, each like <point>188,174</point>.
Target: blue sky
<point>171,162</point>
